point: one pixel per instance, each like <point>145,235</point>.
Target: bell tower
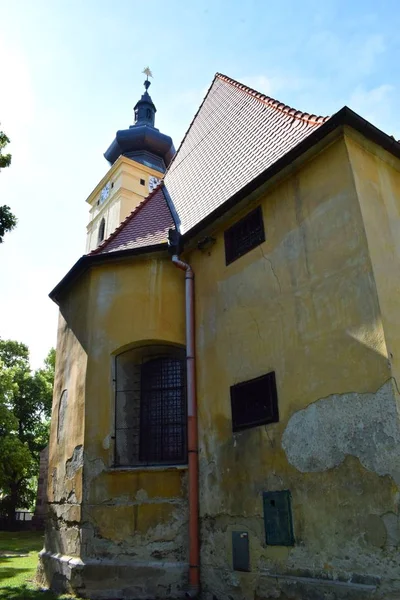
<point>138,157</point>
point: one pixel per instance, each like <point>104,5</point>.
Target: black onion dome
<point>142,141</point>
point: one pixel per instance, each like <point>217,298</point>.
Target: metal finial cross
<point>147,72</point>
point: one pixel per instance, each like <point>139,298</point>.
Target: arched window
<point>150,406</point>
<point>148,113</point>
<point>102,227</point>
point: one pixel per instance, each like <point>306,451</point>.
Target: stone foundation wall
<point>113,578</point>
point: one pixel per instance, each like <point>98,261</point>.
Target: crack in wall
<point>272,269</point>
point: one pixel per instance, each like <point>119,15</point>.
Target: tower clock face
<point>153,182</point>
<point>105,192</point>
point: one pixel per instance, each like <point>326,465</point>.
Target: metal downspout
<point>194,545</point>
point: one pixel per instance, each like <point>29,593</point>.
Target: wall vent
<point>244,235</point>
<point>254,402</point>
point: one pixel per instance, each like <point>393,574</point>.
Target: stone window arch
<point>150,406</point>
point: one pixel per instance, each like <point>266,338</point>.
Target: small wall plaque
<point>278,518</point>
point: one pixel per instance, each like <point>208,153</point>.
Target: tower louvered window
<point>102,228</point>
<point>244,235</point>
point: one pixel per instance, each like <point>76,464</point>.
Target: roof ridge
<point>127,219</point>
<point>311,119</point>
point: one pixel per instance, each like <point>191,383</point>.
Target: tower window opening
<point>148,113</point>
<point>102,228</point>
<point>142,182</point>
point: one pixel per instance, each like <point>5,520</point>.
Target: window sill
<point>149,468</point>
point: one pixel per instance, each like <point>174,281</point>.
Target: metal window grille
<point>244,235</point>
<point>162,411</point>
<point>254,402</point>
<point>150,415</point>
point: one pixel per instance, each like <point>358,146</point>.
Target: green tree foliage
<point>25,407</point>
<point>7,220</point>
<point>5,159</point>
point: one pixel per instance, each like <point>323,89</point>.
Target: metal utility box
<point>278,518</point>
<point>240,551</point>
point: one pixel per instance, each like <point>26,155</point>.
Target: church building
<point>225,419</point>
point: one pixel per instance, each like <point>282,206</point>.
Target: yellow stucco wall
<point>304,304</point>
<point>377,179</point>
<point>65,473</point>
<point>112,308</point>
<point>126,194</point>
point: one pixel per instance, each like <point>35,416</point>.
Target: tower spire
<point>143,142</point>
<point>148,74</point>
<point>144,109</point>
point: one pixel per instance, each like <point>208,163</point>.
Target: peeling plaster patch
<point>363,425</point>
<point>75,462</point>
<point>93,468</point>
<point>141,495</point>
<point>62,408</point>
<point>106,442</point>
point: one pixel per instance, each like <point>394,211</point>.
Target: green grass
<point>18,562</point>
<point>21,541</point>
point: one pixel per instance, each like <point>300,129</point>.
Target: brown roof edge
<point>89,260</point>
<point>276,104</point>
<point>344,116</point>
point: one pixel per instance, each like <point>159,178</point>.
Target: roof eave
<point>90,260</point>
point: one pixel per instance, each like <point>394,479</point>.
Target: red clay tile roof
<point>152,229</point>
<point>236,134</point>
<point>147,225</point>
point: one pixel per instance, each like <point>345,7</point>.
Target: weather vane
<point>147,72</point>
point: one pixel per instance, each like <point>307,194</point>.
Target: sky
<point>71,72</point>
